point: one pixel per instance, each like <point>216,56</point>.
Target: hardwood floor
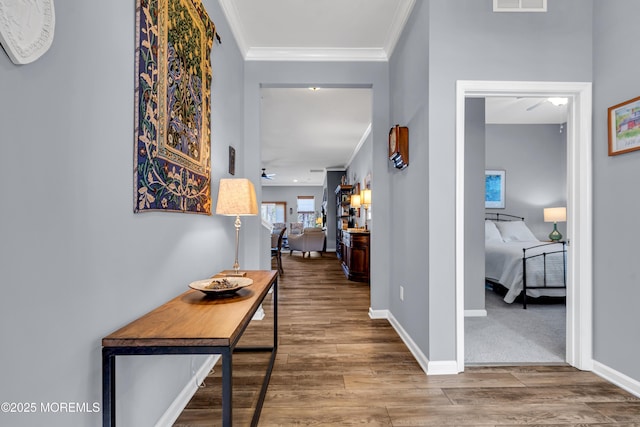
<point>337,367</point>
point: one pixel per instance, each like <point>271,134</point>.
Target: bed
<point>519,262</point>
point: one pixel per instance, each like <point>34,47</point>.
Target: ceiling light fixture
<point>314,88</point>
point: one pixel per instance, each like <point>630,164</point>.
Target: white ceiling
<point>304,131</point>
<point>317,30</point>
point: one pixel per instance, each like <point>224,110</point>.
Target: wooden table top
<point>196,319</point>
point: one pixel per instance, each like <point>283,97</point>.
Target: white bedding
<point>503,264</point>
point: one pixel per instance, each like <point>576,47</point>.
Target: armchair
<point>311,240</point>
<point>295,228</point>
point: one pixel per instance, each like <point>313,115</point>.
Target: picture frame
<point>494,189</point>
<point>232,160</point>
<point>624,127</point>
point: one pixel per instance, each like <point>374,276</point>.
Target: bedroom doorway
<point>578,306</point>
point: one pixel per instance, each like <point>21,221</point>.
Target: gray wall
<point>474,166</point>
<point>615,194</point>
<point>445,41</point>
<point>409,262</point>
<point>75,262</point>
<point>534,158</point>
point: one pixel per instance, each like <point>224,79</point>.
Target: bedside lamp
<point>555,215</point>
<point>236,197</point>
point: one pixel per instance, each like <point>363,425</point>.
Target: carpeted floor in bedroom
<point>510,334</point>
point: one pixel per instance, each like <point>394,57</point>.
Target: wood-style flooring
<point>337,367</point>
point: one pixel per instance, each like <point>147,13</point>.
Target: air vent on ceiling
<point>316,170</point>
<point>519,5</point>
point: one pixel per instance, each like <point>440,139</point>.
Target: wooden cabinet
<point>355,255</point>
<point>343,203</point>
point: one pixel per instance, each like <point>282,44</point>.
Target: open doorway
<point>521,142</point>
<point>578,325</point>
<point>311,137</point>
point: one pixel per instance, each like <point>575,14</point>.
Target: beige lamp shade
<point>365,197</point>
<point>555,214</point>
<point>236,196</point>
<point>355,201</point>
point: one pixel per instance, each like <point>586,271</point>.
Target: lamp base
<point>555,235</point>
<point>236,274</point>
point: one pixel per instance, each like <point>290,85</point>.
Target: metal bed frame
<point>491,216</point>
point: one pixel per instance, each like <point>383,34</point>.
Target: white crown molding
<point>382,54</point>
<point>315,54</point>
<point>397,25</point>
<point>233,18</point>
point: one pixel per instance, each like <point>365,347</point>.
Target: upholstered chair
<point>296,228</point>
<point>312,239</point>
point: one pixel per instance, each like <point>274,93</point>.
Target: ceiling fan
<point>555,101</point>
<point>266,175</point>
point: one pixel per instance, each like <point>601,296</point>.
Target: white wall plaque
<point>26,28</point>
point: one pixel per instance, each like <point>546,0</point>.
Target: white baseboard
<point>430,368</point>
<point>177,406</point>
<point>443,367</point>
<point>617,378</point>
<point>378,314</point>
<point>475,313</point>
<point>421,358</point>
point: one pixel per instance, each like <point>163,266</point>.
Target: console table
<point>194,323</point>
<point>355,254</point>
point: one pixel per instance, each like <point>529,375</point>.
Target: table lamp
<point>355,201</point>
<point>365,201</point>
<point>236,197</point>
<point>555,215</point>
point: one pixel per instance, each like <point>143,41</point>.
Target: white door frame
<point>579,206</point>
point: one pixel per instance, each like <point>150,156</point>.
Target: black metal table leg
<point>227,392</point>
<point>108,388</point>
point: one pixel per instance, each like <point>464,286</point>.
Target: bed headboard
<point>495,216</point>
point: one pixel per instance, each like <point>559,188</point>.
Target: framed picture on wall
<point>494,189</point>
<point>624,127</point>
<point>232,160</point>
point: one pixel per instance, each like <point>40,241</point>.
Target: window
<point>519,5</point>
<point>273,212</point>
<point>306,211</point>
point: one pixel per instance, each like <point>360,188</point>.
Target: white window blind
<point>306,204</point>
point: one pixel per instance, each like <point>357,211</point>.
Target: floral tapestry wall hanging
<point>172,106</point>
